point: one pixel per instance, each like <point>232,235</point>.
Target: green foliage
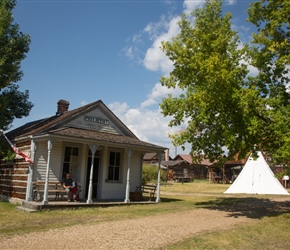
<point>271,17</point>
<point>6,152</point>
<point>207,67</point>
<point>286,171</point>
<point>14,104</point>
<point>150,174</point>
<point>271,56</point>
<point>14,45</point>
<point>221,105</point>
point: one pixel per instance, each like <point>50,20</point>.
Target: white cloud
<point>163,30</point>
<point>137,38</point>
<point>148,102</point>
<point>155,59</point>
<point>190,5</point>
<point>148,125</point>
<point>253,71</point>
<point>243,31</point>
<point>129,52</point>
<point>119,108</point>
<point>231,2</point>
<point>154,29</point>
<point>146,121</point>
<point>83,103</point>
<point>157,93</point>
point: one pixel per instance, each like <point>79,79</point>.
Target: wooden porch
<point>37,206</point>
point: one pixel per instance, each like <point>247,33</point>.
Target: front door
<point>95,176</point>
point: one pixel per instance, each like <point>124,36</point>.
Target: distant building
<point>152,158</point>
<point>199,170</point>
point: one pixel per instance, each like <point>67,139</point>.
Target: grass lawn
<point>270,231</point>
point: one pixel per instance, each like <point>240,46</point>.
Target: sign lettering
<point>96,119</point>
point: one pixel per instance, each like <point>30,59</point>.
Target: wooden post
<point>49,147</point>
<point>158,178</point>
<point>30,173</point>
<point>93,149</point>
<point>127,195</point>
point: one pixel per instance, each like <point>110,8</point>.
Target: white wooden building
<point>90,142</point>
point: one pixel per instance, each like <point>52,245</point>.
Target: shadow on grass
<point>169,200</point>
<point>255,208</point>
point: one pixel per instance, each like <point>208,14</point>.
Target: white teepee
<point>256,178</point>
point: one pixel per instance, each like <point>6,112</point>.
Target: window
<point>114,166</point>
<point>70,162</point>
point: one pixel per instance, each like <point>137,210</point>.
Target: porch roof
<point>101,136</point>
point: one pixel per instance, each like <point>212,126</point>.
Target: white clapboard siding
<point>39,173</point>
<point>135,170</point>
<point>56,162</point>
<point>117,190</point>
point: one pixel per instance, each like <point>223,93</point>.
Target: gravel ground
<point>149,232</point>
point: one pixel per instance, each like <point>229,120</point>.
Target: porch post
<point>158,178</point>
<point>93,149</point>
<point>30,173</point>
<point>49,147</point>
<point>127,198</point>
<point>209,175</point>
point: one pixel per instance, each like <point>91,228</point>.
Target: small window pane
<point>67,153</point>
<point>65,168</point>
<point>75,151</point>
<point>112,159</point>
<point>111,173</point>
<point>114,166</point>
<point>118,159</point>
<point>71,162</point>
<point>117,172</point>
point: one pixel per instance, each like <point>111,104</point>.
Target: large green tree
<point>271,56</point>
<point>14,45</point>
<point>224,108</point>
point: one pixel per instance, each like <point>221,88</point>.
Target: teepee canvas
<point>256,178</point>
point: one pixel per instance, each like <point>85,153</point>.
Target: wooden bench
<point>54,188</point>
<point>181,177</point>
<point>149,189</point>
<point>217,179</point>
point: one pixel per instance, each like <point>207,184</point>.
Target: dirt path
<point>148,232</point>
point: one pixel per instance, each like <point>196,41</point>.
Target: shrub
<point>286,171</point>
<point>150,174</point>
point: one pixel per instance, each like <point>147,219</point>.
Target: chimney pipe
<point>167,154</point>
<point>62,106</point>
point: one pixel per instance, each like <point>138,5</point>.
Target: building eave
<point>95,137</point>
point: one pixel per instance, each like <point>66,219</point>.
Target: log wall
<point>13,179</point>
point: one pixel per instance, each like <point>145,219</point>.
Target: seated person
<point>71,188</point>
<point>226,179</point>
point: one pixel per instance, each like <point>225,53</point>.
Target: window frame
<point>117,165</point>
<point>73,170</point>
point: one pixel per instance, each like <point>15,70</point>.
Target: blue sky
<point>84,51</point>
